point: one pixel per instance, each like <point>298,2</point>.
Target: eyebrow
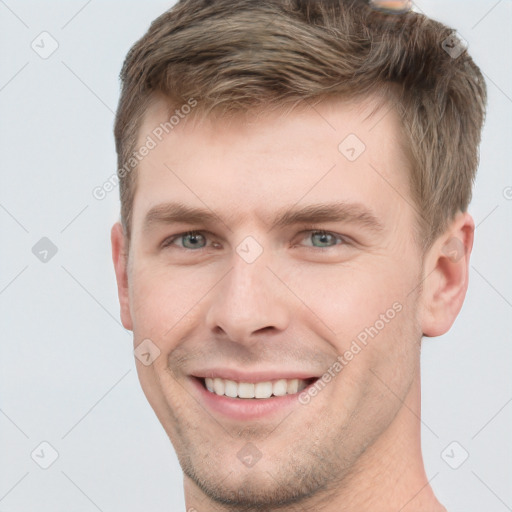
<point>354,213</point>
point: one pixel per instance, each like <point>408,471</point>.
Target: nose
<point>249,301</point>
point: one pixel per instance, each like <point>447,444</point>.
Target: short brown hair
<point>234,56</point>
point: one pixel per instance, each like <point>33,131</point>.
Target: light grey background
<point>67,370</point>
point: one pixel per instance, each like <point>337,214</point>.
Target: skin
<point>356,444</point>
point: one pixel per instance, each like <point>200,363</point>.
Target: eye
<point>198,240</point>
<point>321,239</point>
<point>190,240</point>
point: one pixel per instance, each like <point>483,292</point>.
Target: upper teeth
<point>254,390</point>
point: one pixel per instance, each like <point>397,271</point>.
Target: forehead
<point>253,164</point>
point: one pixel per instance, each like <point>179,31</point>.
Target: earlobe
<point>447,272</point>
<point>120,259</point>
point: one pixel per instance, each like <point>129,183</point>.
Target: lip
<point>245,409</point>
<point>252,377</point>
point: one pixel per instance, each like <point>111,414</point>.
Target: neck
<point>389,476</point>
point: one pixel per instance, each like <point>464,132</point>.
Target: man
<point>294,180</point>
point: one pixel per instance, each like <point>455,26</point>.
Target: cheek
<point>349,297</point>
<point>169,302</point>
<point>163,299</point>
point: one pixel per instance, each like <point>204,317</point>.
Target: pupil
<point>322,237</point>
<point>193,239</point>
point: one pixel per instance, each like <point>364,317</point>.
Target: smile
<point>256,390</point>
<point>249,396</point>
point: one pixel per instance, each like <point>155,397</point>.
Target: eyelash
<point>168,241</point>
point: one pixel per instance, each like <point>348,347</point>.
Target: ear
<point>120,258</point>
<point>444,289</point>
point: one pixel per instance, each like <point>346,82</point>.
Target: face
<point>275,251</point>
